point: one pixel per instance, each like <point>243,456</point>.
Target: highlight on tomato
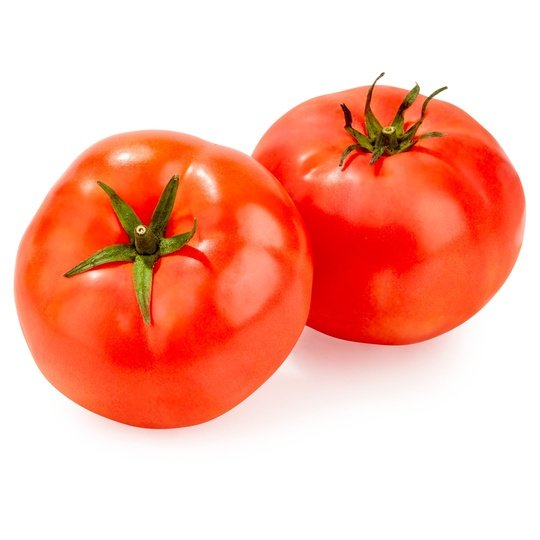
<point>415,213</point>
<point>163,279</point>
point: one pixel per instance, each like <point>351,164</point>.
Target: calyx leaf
<point>386,140</point>
<point>147,243</point>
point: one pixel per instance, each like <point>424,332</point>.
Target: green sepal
<point>411,132</point>
<point>174,243</point>
<point>361,139</point>
<point>127,217</point>
<point>147,243</point>
<point>399,120</point>
<point>143,275</point>
<point>377,153</point>
<point>348,151</point>
<point>431,134</point>
<point>164,207</point>
<point>373,126</point>
<point>109,254</point>
<point>392,139</point>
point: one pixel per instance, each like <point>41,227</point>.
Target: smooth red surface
<point>412,246</point>
<point>226,309</point>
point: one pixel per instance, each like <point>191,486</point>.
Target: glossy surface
<point>226,309</point>
<point>412,246</point>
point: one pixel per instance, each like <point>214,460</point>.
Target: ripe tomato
<point>217,306</point>
<point>415,229</point>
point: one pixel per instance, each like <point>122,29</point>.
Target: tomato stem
<point>147,243</point>
<point>387,140</point>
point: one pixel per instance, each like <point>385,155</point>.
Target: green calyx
<point>147,243</point>
<point>387,140</point>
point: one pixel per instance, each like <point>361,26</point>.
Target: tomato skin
<point>226,309</point>
<point>413,245</point>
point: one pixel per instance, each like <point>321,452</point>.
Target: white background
<point>346,441</point>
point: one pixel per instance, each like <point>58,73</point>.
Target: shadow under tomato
<point>322,377</point>
<point>328,376</point>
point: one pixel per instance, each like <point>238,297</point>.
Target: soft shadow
<point>317,351</point>
<point>323,376</point>
<point>328,376</point>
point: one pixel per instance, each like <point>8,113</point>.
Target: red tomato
<point>417,228</point>
<point>226,307</point>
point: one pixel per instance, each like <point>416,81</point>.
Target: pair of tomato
<point>165,278</point>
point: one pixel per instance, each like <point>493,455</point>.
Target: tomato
<point>174,328</point>
<point>415,213</point>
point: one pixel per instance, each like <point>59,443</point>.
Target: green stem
<point>390,139</point>
<point>147,243</point>
<point>387,140</point>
